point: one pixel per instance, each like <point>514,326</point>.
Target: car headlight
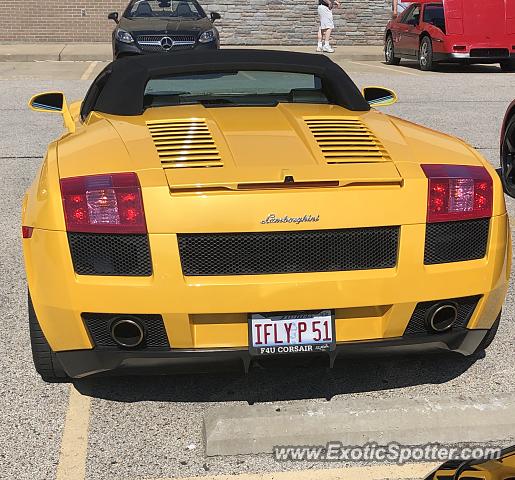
<point>124,36</point>
<point>207,36</point>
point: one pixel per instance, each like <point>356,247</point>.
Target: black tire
<point>489,337</point>
<point>508,158</point>
<point>389,52</point>
<point>425,54</point>
<point>45,360</point>
<point>508,66</point>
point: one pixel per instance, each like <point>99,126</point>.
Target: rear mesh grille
<point>346,140</point>
<point>465,305</point>
<point>490,52</point>
<point>449,242</point>
<point>184,143</point>
<point>99,327</point>
<point>288,252</point>
<point>108,254</point>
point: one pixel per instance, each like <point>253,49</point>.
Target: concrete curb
<point>102,52</point>
<point>238,430</point>
<point>87,52</point>
<point>30,52</point>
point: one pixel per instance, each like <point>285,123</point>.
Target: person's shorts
<point>326,17</point>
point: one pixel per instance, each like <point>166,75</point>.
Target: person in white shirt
<point>325,12</point>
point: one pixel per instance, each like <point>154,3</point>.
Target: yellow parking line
<point>375,472</point>
<point>74,444</point>
<point>89,71</point>
<point>404,72</point>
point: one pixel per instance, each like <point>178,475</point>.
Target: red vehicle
<point>465,31</point>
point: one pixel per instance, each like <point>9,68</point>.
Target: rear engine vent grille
<point>490,53</point>
<point>109,254</point>
<point>99,328</point>
<point>346,140</point>
<point>465,306</point>
<point>449,242</point>
<point>288,252</point>
<point>184,143</point>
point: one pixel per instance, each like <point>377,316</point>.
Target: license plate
<point>291,332</point>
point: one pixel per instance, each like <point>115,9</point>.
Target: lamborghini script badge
<point>272,218</point>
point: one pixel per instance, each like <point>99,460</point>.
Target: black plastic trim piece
<point>82,363</point>
<point>110,254</point>
<point>450,242</point>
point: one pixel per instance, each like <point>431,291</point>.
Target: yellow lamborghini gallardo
<point>238,204</point>
<point>498,468</point>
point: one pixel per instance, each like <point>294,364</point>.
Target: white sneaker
<point>319,47</point>
<point>327,48</point>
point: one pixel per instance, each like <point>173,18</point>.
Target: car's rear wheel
<point>489,338</point>
<point>508,158</point>
<point>389,52</point>
<point>508,65</point>
<point>425,54</point>
<point>45,360</point>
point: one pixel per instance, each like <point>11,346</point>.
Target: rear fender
<point>42,205</point>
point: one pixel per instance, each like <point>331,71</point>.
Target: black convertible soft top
<point>120,88</point>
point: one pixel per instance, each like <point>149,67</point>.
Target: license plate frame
<point>293,348</point>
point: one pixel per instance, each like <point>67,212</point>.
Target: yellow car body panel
<point>501,469</point>
<point>258,146</point>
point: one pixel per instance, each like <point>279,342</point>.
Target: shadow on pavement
<point>311,380</point>
<point>455,68</point>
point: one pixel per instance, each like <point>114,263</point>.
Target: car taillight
<point>458,192</point>
<point>26,232</point>
<point>109,203</point>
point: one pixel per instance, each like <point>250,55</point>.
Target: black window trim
<point>94,91</point>
<point>122,93</point>
<point>435,4</point>
<point>409,12</point>
<point>405,13</point>
<point>427,5</point>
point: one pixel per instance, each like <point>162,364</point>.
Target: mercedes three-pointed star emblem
<point>166,43</point>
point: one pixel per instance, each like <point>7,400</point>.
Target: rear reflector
<point>26,232</point>
<point>109,203</point>
<point>458,192</point>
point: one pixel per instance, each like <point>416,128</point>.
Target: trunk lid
<point>264,147</point>
<point>231,169</point>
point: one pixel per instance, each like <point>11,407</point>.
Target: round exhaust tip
<point>127,333</point>
<point>442,317</point>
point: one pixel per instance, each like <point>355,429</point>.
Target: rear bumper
<point>467,58</point>
<point>205,313</point>
<point>82,363</point>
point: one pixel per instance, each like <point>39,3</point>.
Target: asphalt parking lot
<point>151,427</point>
